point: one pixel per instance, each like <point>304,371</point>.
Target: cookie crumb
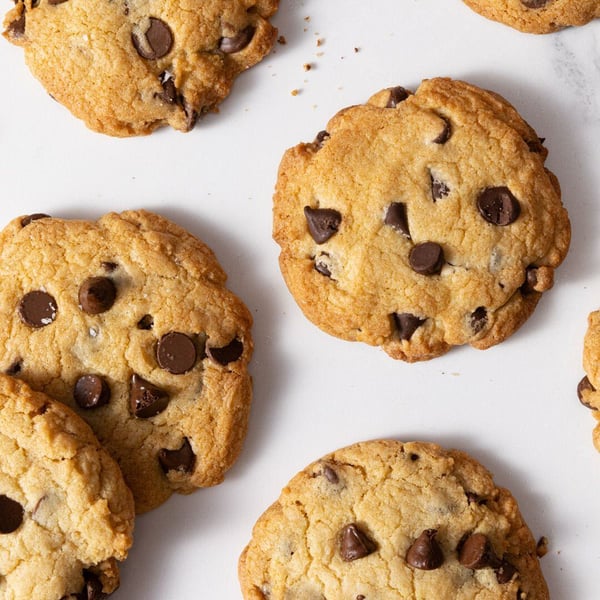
<point>307,66</point>
<point>295,92</point>
<point>542,547</point>
<point>281,40</point>
<point>320,41</point>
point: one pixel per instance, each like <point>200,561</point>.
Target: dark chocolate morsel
<point>426,258</point>
<point>37,309</point>
<point>109,266</point>
<point>97,295</point>
<point>445,134</point>
<point>169,93</point>
<point>146,400</point>
<point>320,139</point>
<point>238,42</point>
<point>531,280</point>
<point>425,553</point>
<point>473,498</point>
<point>439,189</point>
<point>176,352</point>
<point>11,514</point>
<point>397,94</point>
<point>536,145</point>
<point>406,324</point>
<point>15,367</point>
<point>395,217</point>
<point>16,29</point>
<point>534,3</point>
<point>91,391</point>
<point>321,265</point>
<point>35,216</point>
<point>330,474</point>
<point>505,572</point>
<point>55,2</point>
<point>583,386</point>
<point>191,115</point>
<point>476,552</point>
<point>146,322</point>
<point>226,354</point>
<point>478,319</point>
<point>182,460</point>
<point>322,223</point>
<point>158,40</point>
<point>498,206</point>
<point>354,543</point>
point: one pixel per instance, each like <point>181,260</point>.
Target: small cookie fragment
<point>588,388</point>
<point>66,515</point>
<point>406,224</point>
<point>385,519</point>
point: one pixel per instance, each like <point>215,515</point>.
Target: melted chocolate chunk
<point>406,324</point>
<point>91,391</point>
<point>397,94</point>
<point>445,134</point>
<point>395,217</point>
<point>476,552</point>
<point>97,295</point>
<point>37,309</point>
<point>478,319</point>
<point>11,514</point>
<point>92,588</point>
<point>146,322</point>
<point>354,543</point>
<point>238,42</point>
<point>426,258</point>
<point>16,30</point>
<point>169,93</point>
<point>583,386</point>
<point>182,460</point>
<point>227,354</point>
<point>35,216</point>
<point>321,266</point>
<point>109,266</point>
<point>156,42</point>
<point>498,206</point>
<point>176,353</point>
<point>323,223</point>
<point>146,400</point>
<point>425,553</point>
<point>321,138</point>
<point>330,474</point>
<point>439,189</point>
<point>505,572</point>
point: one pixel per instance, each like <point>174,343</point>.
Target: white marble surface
<point>513,407</point>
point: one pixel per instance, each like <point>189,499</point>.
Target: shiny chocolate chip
<point>397,94</point>
<point>169,93</point>
<point>35,216</point>
<point>91,391</point>
<point>97,295</point>
<point>238,42</point>
<point>37,309</point>
<point>146,322</point>
<point>156,42</point>
<point>354,543</point>
<point>505,572</point>
<point>323,223</point>
<point>585,385</point>
<point>322,266</point>
<point>476,552</point>
<point>426,258</point>
<point>425,553</point>
<point>176,353</point>
<point>146,400</point>
<point>531,281</point>
<point>498,206</point>
<point>226,354</point>
<point>182,460</point>
<point>439,189</point>
<point>11,514</point>
<point>445,134</point>
<point>395,217</point>
<point>478,319</point>
<point>406,324</point>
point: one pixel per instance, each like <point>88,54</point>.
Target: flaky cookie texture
<point>418,222</point>
<point>588,389</point>
<point>66,515</point>
<point>538,16</point>
<point>126,67</point>
<point>128,321</point>
<point>388,520</point>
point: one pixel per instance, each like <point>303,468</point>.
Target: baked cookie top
<point>128,321</point>
<point>127,67</point>
<point>537,16</point>
<point>417,222</point>
<point>66,515</point>
<point>588,389</point>
<point>386,520</point>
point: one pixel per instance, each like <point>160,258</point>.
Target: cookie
<point>127,320</point>
<point>537,16</point>
<point>418,222</point>
<point>386,520</point>
<point>66,515</point>
<point>126,68</point>
<point>588,388</point>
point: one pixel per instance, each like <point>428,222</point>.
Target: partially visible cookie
<point>127,320</point>
<point>418,222</point>
<point>126,68</point>
<point>588,389</point>
<point>66,515</point>
<point>537,16</point>
<point>389,520</point>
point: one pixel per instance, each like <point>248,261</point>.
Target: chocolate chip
<point>191,115</point>
<point>176,353</point>
<point>536,146</point>
<point>478,319</point>
<point>426,258</point>
<point>330,474</point>
<point>11,514</point>
<point>531,281</point>
<point>534,3</point>
<point>55,2</point>
<point>397,94</point>
<point>146,322</point>
<point>476,552</point>
<point>445,134</point>
<point>91,391</point>
<point>146,400</point>
<point>360,597</point>
<point>425,553</point>
<point>395,217</point>
<point>109,266</point>
<point>37,309</point>
<point>322,264</point>
<point>97,295</point>
<point>439,189</point>
<point>498,206</point>
<point>229,45</point>
<point>227,354</point>
<point>169,93</point>
<point>92,588</point>
<point>413,457</point>
<point>156,42</point>
<point>505,572</point>
<point>182,460</point>
<point>16,30</point>
<point>320,139</point>
<point>473,498</point>
<point>15,367</point>
<point>354,543</point>
<point>583,386</point>
<point>406,324</point>
<point>35,216</point>
<point>322,223</point>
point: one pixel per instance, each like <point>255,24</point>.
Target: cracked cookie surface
<point>588,389</point>
<point>537,16</point>
<point>418,222</point>
<point>127,320</point>
<point>66,515</point>
<point>126,67</point>
<point>384,520</point>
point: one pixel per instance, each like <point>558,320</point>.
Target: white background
<point>513,407</point>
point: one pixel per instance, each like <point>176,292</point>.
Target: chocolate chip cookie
<point>66,515</point>
<point>418,222</point>
<point>127,320</point>
<point>588,388</point>
<point>126,67</point>
<point>388,520</point>
<point>537,16</point>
